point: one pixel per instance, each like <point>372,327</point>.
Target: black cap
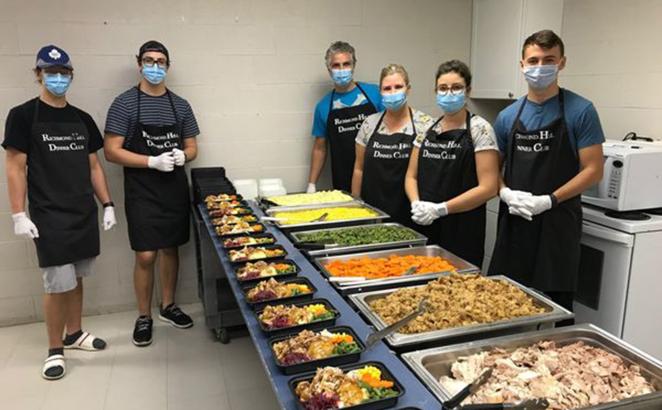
<point>153,45</point>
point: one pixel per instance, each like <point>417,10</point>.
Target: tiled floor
<point>182,369</point>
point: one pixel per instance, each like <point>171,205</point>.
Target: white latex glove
<point>415,206</point>
<point>109,219</point>
<point>535,205</point>
<point>164,162</point>
<point>438,210</point>
<point>418,209</point>
<point>517,208</point>
<point>180,158</point>
<point>311,188</point>
<point>423,214</point>
<point>23,226</point>
<point>507,195</point>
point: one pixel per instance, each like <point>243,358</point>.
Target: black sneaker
<point>142,332</point>
<point>173,314</point>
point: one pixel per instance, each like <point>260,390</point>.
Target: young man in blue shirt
<point>338,117</point>
<point>551,148</point>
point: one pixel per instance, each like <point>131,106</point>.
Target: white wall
<point>613,56</point>
<point>614,59</point>
<point>252,71</point>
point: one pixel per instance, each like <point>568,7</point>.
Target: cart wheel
<point>222,335</point>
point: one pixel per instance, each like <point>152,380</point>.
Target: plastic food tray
<point>329,361</point>
<point>250,218</point>
<point>261,235</point>
<point>283,275</point>
<point>320,324</point>
<point>245,232</point>
<point>269,247</point>
<point>235,211</point>
<point>261,304</point>
<point>371,405</point>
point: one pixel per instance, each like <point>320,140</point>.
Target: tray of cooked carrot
<point>390,268</point>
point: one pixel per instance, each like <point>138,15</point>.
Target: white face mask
<point>540,76</point>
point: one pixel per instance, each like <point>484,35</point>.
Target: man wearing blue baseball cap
<point>51,155</point>
<point>151,132</point>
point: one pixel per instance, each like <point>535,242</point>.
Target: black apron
<point>60,192</point>
<point>342,126</point>
<point>543,253</point>
<point>156,203</point>
<point>384,168</point>
<point>446,169</point>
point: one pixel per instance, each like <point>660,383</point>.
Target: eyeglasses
<point>454,89</point>
<point>149,61</point>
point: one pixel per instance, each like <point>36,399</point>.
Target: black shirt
<point>20,119</point>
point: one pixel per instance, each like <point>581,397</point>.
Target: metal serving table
<point>218,301</point>
<point>416,394</point>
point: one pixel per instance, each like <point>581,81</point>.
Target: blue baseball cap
<point>53,56</point>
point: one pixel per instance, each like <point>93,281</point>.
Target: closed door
<point>604,273</point>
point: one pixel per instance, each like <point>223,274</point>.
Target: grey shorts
<point>62,278</point>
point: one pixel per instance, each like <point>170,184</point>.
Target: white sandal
<point>53,362</point>
<point>86,342</point>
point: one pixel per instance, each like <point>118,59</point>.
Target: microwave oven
<point>632,178</point>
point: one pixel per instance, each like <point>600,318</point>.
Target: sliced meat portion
<point>570,376</point>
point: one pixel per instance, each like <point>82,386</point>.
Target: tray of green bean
<point>360,238</point>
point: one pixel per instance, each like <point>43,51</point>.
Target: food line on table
<point>326,310</point>
<point>309,346</point>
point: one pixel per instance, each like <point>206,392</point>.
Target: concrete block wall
<point>252,71</point>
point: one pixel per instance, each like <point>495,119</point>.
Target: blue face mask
<point>394,101</point>
<point>57,84</point>
<point>342,77</point>
<point>154,74</point>
<point>540,76</point>
<point>451,103</point>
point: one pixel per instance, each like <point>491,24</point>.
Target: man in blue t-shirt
<point>338,117</point>
<point>551,148</point>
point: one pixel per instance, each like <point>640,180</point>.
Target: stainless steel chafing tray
<point>431,364</point>
<point>265,203</point>
<point>553,313</point>
<point>419,240</point>
<point>379,216</point>
<point>461,266</point>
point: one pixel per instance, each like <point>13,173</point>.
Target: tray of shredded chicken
<point>461,307</point>
<point>575,367</point>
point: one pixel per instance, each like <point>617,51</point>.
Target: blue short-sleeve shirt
<point>581,118</point>
<point>342,100</point>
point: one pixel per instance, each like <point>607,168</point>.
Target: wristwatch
<point>555,200</point>
<point>109,203</point>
